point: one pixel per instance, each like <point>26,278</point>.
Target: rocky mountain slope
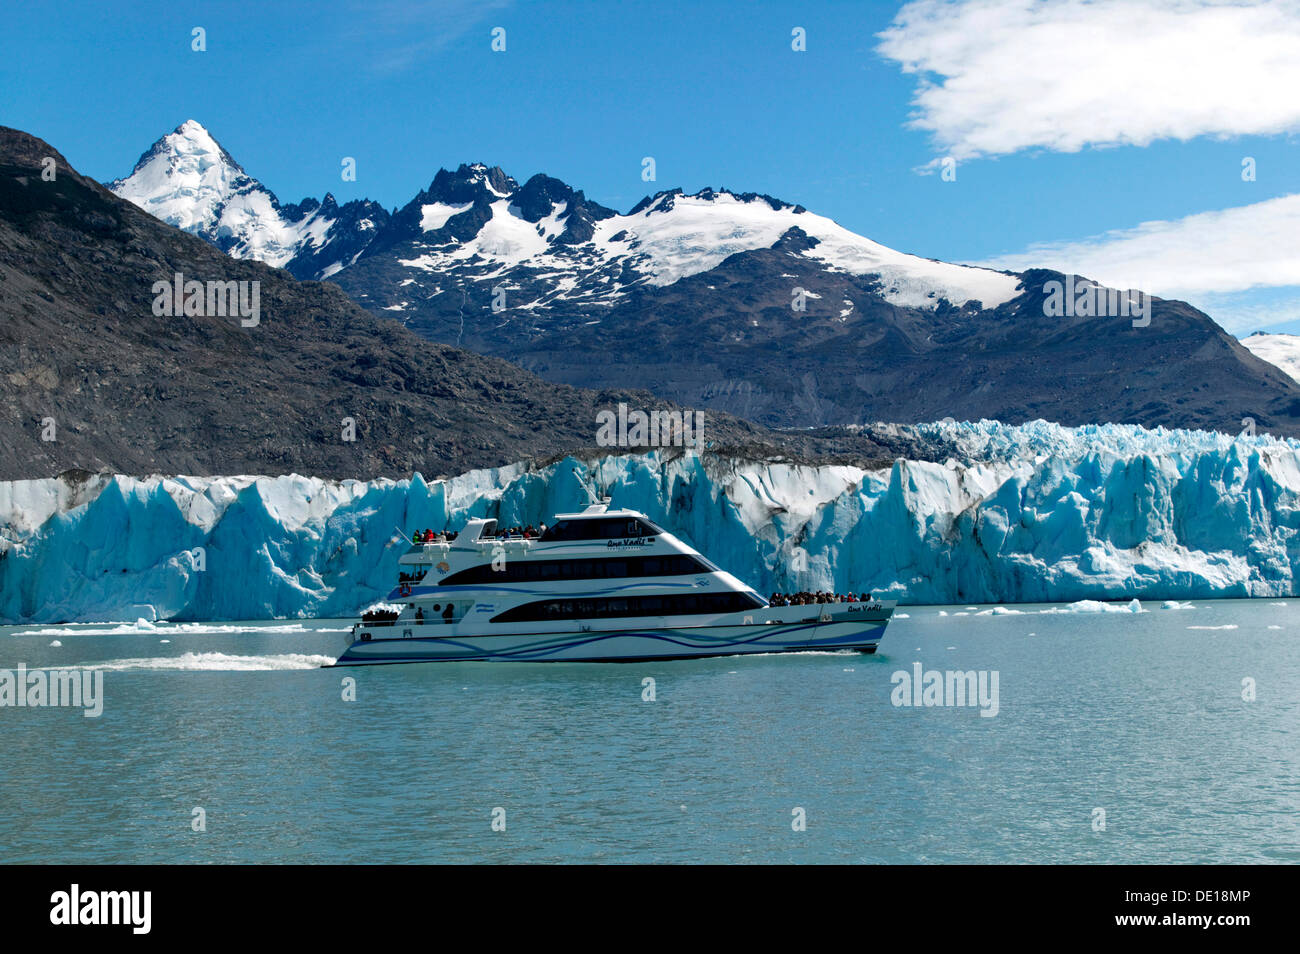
<point>92,377</point>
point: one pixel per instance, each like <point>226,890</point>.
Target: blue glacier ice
<point>1028,513</point>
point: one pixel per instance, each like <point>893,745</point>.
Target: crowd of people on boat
<point>428,536</point>
<point>525,533</point>
<point>511,533</point>
<point>806,598</point>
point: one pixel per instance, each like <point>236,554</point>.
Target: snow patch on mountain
<point>672,236</point>
<point>1044,514</point>
<point>697,233</point>
<point>1283,351</point>
<point>435,215</point>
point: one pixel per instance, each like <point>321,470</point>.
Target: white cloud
<point>1214,260</point>
<point>1252,246</point>
<point>1240,315</point>
<point>999,76</point>
<point>408,33</point>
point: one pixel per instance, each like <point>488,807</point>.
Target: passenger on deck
<point>448,613</point>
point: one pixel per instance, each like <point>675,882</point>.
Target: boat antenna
<point>589,486</point>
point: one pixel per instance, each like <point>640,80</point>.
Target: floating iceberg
<point>1035,513</point>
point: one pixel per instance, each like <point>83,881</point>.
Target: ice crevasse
<point>1026,513</point>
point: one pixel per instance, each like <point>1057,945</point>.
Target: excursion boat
<point>600,585</point>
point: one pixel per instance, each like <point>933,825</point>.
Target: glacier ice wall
<point>1036,512</point>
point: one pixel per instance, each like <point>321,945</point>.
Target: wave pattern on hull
<point>623,645</point>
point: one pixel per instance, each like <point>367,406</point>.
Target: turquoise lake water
<point>1139,715</point>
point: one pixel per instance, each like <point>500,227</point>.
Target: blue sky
<point>1106,137</point>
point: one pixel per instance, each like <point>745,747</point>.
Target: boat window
<point>669,605</point>
<point>596,568</point>
<point>601,528</point>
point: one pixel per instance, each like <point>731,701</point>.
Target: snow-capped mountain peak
<point>185,178</point>
<point>189,180</point>
<point>477,224</point>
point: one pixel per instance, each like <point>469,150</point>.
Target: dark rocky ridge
<point>136,393</point>
<point>735,346</point>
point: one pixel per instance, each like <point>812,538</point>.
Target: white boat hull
<point>433,642</point>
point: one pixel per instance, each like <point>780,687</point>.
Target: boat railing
<point>481,542</point>
<point>433,619</point>
<point>521,541</point>
<point>443,545</point>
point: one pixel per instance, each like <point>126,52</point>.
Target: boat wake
<point>142,627</point>
<point>215,662</point>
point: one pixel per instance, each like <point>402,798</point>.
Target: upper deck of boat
<point>597,522</point>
